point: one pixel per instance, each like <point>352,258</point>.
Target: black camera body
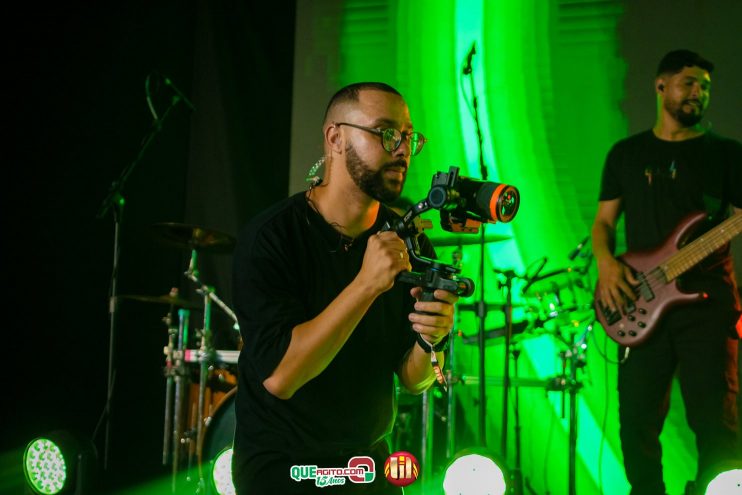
<point>464,204</point>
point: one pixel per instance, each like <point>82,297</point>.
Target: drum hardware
<point>550,287</point>
<point>567,382</point>
<point>170,371</point>
<point>184,442</point>
<point>206,350</point>
<point>185,438</point>
<point>518,333</point>
<point>545,287</point>
<point>575,356</point>
<point>515,471</point>
<point>177,374</point>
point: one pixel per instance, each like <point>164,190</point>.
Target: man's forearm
<point>416,372</point>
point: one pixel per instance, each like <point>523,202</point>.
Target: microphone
<point>579,247</point>
<point>178,93</point>
<point>467,67</point>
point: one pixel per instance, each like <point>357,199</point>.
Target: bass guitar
<point>657,272</point>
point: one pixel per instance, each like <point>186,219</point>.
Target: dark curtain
<point>76,116</point>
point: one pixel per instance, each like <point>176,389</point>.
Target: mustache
<point>395,164</point>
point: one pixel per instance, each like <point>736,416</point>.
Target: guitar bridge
<point>611,316</point>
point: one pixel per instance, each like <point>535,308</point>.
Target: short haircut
<point>674,61</point>
<point>350,93</point>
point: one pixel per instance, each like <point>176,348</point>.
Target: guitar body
<point>633,324</point>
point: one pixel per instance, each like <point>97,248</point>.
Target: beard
<point>373,183</point>
<point>688,119</point>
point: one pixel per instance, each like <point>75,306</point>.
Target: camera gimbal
<point>464,203</point>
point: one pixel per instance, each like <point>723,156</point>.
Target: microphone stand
<point>482,306</point>
<point>115,202</point>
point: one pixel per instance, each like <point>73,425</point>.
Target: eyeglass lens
<point>392,138</point>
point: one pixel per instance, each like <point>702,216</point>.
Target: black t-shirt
<point>289,265</point>
<point>661,182</point>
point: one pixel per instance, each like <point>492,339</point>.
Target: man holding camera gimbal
<point>325,327</point>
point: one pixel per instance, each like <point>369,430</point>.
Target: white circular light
<point>44,467</point>
<point>221,473</point>
<point>726,483</point>
<point>474,474</point>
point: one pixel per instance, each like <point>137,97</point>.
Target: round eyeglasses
<point>391,138</point>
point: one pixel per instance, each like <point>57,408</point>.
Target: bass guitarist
<point>656,179</point>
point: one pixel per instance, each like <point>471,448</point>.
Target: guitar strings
<point>687,258</point>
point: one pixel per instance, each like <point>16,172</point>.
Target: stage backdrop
<point>557,83</point>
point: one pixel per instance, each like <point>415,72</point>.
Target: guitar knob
<point>641,324</point>
<point>642,311</point>
<point>632,333</point>
<point>631,317</point>
<point>621,333</point>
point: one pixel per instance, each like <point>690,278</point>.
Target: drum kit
<point>556,303</point>
<point>200,380</point>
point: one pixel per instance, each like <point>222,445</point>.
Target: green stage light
<point>726,483</point>
<point>474,473</point>
<point>59,463</point>
<point>221,472</point>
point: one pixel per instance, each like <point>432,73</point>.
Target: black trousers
<point>698,345</point>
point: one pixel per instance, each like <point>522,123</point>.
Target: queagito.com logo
<point>360,469</point>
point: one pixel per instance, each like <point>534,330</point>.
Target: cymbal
<point>554,281</point>
<point>518,333</point>
<point>193,237</point>
<point>466,239</point>
<point>164,299</point>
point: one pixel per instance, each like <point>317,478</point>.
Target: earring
<point>312,176</point>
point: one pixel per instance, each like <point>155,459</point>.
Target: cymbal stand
<point>172,333</point>
<point>508,309</point>
<point>178,373</point>
<point>516,473</point>
<point>576,356</point>
<point>457,258</point>
<point>206,351</point>
<point>208,292</point>
<point>482,315</point>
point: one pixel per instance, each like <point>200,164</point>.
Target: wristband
<point>439,347</point>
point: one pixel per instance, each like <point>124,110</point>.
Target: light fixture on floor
<point>61,462</point>
<point>728,481</point>
<point>221,473</point>
<point>215,455</point>
<point>475,472</point>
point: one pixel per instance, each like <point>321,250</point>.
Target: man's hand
<point>386,256</point>
<point>616,280</point>
<point>438,320</point>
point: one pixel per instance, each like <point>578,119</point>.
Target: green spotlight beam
<point>549,84</point>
